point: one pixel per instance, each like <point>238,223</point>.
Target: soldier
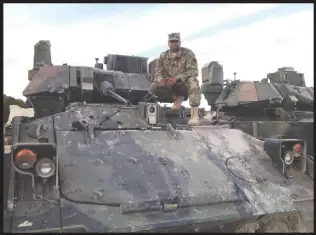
<point>177,70</point>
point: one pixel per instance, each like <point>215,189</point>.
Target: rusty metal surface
<point>247,92</point>
<point>48,77</point>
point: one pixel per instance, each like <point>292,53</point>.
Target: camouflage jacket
<point>181,65</point>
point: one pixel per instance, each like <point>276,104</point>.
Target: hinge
<point>170,204</point>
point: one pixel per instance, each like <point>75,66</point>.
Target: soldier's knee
<point>193,85</point>
<point>153,87</point>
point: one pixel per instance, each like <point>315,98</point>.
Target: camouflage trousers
<point>190,88</point>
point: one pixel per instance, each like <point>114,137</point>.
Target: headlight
<point>45,168</point>
<point>288,158</point>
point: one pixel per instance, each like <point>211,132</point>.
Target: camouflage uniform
<point>183,65</point>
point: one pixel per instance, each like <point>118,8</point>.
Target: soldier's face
<point>174,45</point>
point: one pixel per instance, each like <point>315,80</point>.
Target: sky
<point>249,39</point>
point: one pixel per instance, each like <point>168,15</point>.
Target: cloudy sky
<point>250,39</point>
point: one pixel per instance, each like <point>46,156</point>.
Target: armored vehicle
<point>279,106</point>
<point>97,157</point>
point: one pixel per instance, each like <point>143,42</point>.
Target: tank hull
<point>122,180</point>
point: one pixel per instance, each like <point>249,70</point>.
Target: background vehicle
<point>279,106</point>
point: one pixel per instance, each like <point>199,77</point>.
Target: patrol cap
<point>174,37</point>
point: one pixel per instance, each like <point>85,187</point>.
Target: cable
<point>226,162</point>
<point>107,118</point>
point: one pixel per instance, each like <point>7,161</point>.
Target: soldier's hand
<point>162,83</point>
<point>172,81</point>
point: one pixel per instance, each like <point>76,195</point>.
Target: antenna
<point>97,64</point>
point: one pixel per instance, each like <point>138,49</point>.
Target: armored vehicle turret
<point>279,106</point>
<point>96,158</point>
<point>52,88</point>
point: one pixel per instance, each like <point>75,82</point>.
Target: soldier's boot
<point>177,103</point>
<point>194,120</point>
